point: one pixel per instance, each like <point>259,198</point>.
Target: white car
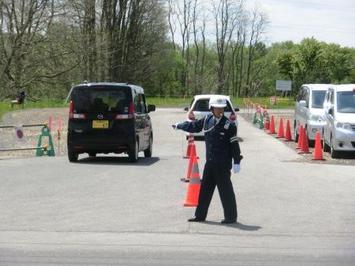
<point>309,110</point>
<point>339,108</point>
<point>199,108</point>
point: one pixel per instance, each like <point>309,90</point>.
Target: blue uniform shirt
<point>221,140</point>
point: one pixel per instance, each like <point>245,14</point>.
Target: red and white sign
<point>19,133</point>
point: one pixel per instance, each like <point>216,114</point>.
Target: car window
<point>299,95</point>
<point>201,105</point>
<point>305,96</point>
<point>101,99</point>
<point>332,97</point>
<point>318,99</point>
<point>346,101</point>
<point>139,103</point>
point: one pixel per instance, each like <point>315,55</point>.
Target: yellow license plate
<point>100,124</point>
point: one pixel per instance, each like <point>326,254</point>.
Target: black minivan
<point>109,117</point>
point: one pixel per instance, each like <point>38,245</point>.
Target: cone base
<point>304,152</point>
<point>188,157</point>
<point>190,204</point>
<point>320,159</point>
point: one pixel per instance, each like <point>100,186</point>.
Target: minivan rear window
<point>318,99</point>
<point>101,99</point>
<point>346,101</point>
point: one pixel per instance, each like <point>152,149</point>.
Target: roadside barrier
<point>193,188</point>
<point>190,144</point>
<point>280,132</point>
<point>318,150</point>
<point>300,137</point>
<point>189,169</point>
<point>304,145</point>
<point>272,126</point>
<point>40,149</point>
<point>288,136</point>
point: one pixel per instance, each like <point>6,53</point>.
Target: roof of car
<point>135,87</point>
<point>345,87</point>
<point>318,86</point>
<point>204,96</point>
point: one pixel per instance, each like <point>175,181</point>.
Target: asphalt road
<point>106,211</point>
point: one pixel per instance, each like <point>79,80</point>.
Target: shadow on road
<point>237,225</point>
<point>116,160</point>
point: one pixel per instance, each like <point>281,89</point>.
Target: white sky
<point>325,20</point>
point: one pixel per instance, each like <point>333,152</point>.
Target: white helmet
<point>217,102</point>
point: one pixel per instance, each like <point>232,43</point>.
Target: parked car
<point>309,110</point>
<point>199,108</point>
<point>109,118</point>
<point>339,131</point>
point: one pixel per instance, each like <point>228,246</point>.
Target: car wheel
<point>92,154</point>
<point>295,133</point>
<point>333,153</point>
<point>148,152</point>
<point>72,155</point>
<point>133,153</point>
<point>326,147</point>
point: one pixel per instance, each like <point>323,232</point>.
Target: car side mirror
<point>236,109</point>
<point>186,108</point>
<point>151,108</point>
<point>331,111</point>
<point>303,103</point>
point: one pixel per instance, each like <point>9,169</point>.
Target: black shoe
<point>195,219</point>
<point>228,221</point>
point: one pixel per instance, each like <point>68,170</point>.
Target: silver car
<point>309,110</point>
<point>339,131</point>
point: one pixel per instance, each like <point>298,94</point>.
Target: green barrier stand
<point>255,119</point>
<point>40,151</point>
<point>261,122</point>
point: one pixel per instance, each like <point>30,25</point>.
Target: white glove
<point>236,168</point>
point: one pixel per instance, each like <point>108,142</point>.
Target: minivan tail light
<point>71,109</point>
<point>124,116</point>
<point>131,108</point>
<point>233,117</point>
<point>73,115</point>
<point>79,116</point>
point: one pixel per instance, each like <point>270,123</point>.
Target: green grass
<point>169,102</point>
<point>46,103</point>
<point>281,103</point>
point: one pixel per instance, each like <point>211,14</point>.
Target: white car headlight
<point>346,126</point>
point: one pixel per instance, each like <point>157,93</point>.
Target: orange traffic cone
<point>193,188</point>
<point>280,132</point>
<point>318,150</point>
<point>190,140</point>
<point>305,146</point>
<point>272,126</point>
<point>300,137</point>
<point>288,131</point>
<point>189,169</point>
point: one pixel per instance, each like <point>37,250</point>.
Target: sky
<point>325,20</point>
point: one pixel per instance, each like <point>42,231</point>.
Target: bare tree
<point>24,49</point>
<point>258,23</point>
<point>226,13</point>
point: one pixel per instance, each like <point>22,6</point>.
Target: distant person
<point>222,147</point>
